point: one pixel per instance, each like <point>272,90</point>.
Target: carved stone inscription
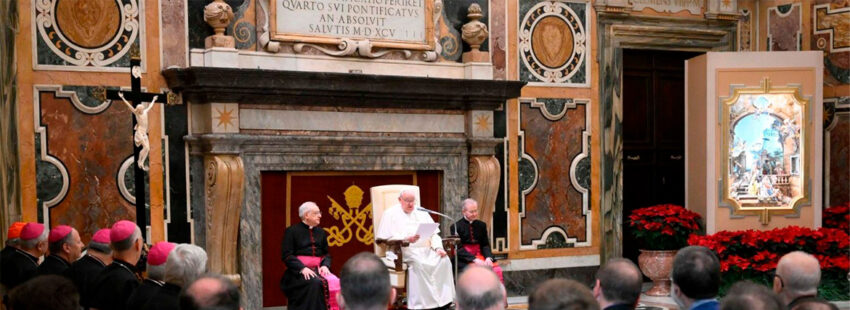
<point>672,6</point>
<point>386,20</point>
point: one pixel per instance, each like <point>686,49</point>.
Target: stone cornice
<point>250,86</point>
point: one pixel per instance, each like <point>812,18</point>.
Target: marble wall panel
<point>95,35</point>
<point>554,42</point>
<point>785,27</point>
<point>745,30</point>
<point>81,145</point>
<point>555,212</point>
<point>523,283</point>
<point>831,34</point>
<point>837,144</point>
<point>174,42</point>
<point>498,38</point>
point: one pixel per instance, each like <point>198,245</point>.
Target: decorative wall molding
<point>827,21</point>
<point>554,110</point>
<point>96,37</point>
<point>554,41</point>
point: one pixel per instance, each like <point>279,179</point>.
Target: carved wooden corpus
<point>484,185</point>
<point>224,182</point>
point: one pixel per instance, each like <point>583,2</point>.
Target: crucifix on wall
<point>139,103</point>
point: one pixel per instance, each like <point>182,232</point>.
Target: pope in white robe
<point>430,283</point>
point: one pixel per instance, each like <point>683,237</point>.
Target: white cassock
<point>430,283</point>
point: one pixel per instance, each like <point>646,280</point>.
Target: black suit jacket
<point>482,238</point>
<point>620,307</point>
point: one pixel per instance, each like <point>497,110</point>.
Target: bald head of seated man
<point>478,288</point>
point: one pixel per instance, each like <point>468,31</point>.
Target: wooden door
<point>653,133</point>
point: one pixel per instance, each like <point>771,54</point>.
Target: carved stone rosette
<point>218,15</point>
<point>484,185</point>
<point>224,189</point>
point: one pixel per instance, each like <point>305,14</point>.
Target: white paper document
<point>425,230</point>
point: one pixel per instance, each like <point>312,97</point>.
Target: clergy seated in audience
<point>746,295</point>
<point>562,294</point>
<point>85,270</point>
<point>618,285</point>
<point>797,278</point>
<point>210,292</point>
<point>13,243</point>
<point>65,248</point>
<point>478,288</point>
<point>307,281</point>
<point>116,282</point>
<point>696,279</point>
<point>156,275</point>
<point>13,240</point>
<point>185,263</point>
<point>429,281</point>
<point>365,284</point>
<point>47,292</point>
<point>475,242</point>
<point>22,264</point>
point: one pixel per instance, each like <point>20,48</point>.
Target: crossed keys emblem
<point>349,217</point>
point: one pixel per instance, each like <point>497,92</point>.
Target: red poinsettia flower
<point>663,227</point>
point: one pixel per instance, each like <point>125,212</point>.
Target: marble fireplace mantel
<point>250,86</point>
<point>226,166</point>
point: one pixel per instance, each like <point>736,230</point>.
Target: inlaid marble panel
<point>837,136</point>
<point>81,146</point>
<point>831,34</point>
<point>523,283</point>
<point>745,31</point>
<point>553,43</point>
<point>554,173</point>
<point>90,35</point>
<point>785,27</point>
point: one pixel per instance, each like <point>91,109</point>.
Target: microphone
<point>451,220</point>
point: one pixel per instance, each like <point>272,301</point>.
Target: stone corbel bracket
<point>223,183</point>
<point>484,175</point>
<point>352,47</point>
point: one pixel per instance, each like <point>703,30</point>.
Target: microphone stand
<point>453,235</point>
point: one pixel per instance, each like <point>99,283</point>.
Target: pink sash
<point>475,249</point>
<point>332,281</point>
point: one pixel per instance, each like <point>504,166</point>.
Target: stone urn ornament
<point>662,230</point>
<point>218,14</point>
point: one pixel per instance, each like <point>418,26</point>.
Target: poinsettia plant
<point>837,217</point>
<point>753,255</point>
<point>663,227</point>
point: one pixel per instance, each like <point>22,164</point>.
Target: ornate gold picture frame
<point>765,150</point>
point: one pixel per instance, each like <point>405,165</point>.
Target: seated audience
<point>696,279</point>
<point>185,263</point>
<point>365,284</point>
<point>797,278</point>
<point>156,275</point>
<point>114,285</point>
<point>65,248</point>
<point>746,295</point>
<point>22,264</point>
<point>562,294</point>
<point>618,285</point>
<point>814,305</point>
<point>479,288</point>
<point>84,271</point>
<point>211,292</point>
<point>47,292</point>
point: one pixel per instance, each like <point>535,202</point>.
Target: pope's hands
<point>309,274</point>
<point>441,252</point>
<point>413,239</point>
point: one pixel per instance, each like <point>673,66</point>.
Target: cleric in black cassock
<point>308,282</point>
